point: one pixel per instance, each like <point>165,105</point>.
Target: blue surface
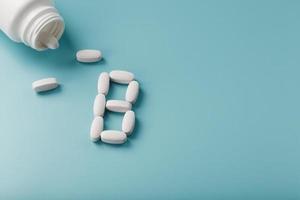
<point>218,115</point>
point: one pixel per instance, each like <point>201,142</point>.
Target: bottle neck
<point>45,25</point>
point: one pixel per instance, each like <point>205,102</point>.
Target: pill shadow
<point>137,107</point>
<point>137,130</point>
<point>54,91</point>
<point>126,145</point>
<point>102,145</point>
<point>140,100</point>
<point>102,62</point>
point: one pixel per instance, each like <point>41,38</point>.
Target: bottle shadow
<point>25,53</point>
<point>61,61</point>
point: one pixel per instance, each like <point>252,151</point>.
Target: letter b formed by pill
<point>121,106</point>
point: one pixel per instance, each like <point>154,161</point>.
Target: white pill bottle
<point>35,23</point>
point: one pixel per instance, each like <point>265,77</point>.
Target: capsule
<point>99,105</point>
<point>132,92</point>
<point>128,122</point>
<point>113,137</point>
<point>96,129</point>
<point>103,83</point>
<point>118,106</point>
<point>88,56</point>
<point>122,77</point>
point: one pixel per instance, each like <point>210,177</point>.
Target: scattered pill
<point>96,129</point>
<point>99,105</point>
<point>132,92</point>
<point>118,106</point>
<point>44,84</point>
<point>103,83</point>
<point>113,137</point>
<point>88,56</point>
<point>128,122</point>
<point>122,77</point>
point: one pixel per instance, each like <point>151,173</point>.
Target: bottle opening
<point>45,30</point>
<point>49,35</point>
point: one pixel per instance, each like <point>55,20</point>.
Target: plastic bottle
<point>36,23</point>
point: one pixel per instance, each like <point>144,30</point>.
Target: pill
<point>132,92</point>
<point>128,122</point>
<point>118,105</point>
<point>113,137</point>
<point>96,129</point>
<point>122,77</point>
<point>99,105</point>
<point>48,40</point>
<point>103,83</point>
<point>89,56</point>
<point>52,43</point>
<point>44,84</point>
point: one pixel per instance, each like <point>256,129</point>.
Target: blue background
<point>218,114</point>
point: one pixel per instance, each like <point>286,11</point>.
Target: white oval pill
<point>103,83</point>
<point>113,137</point>
<point>99,105</point>
<point>96,129</point>
<point>118,105</point>
<point>128,122</point>
<point>88,56</point>
<point>132,92</point>
<point>44,84</point>
<point>122,77</point>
